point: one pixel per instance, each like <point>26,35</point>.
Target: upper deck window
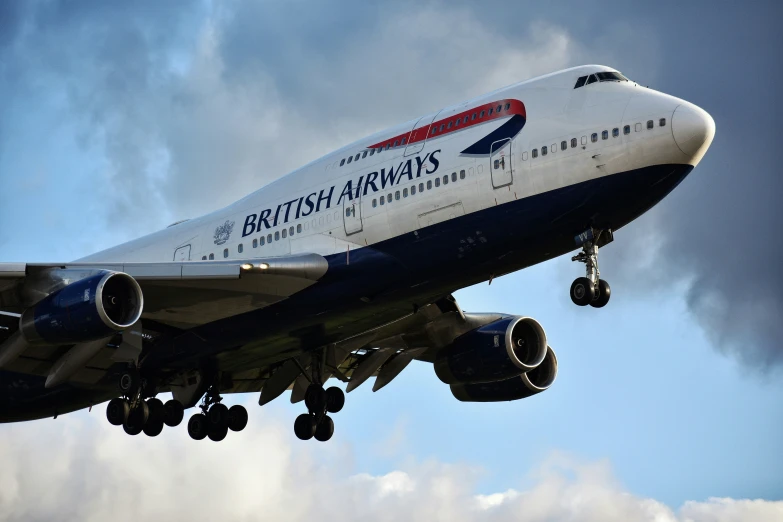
<point>364,154</point>
<point>342,162</point>
<point>350,159</point>
<point>611,77</point>
<point>580,81</point>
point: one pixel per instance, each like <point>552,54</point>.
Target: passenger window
<point>225,252</point>
<point>240,248</point>
<point>383,200</point>
<point>429,184</point>
<point>580,81</point>
<point>413,190</point>
<point>389,198</point>
<point>372,151</point>
<point>299,228</point>
<point>364,154</point>
<point>553,148</point>
<point>374,203</point>
<point>291,231</point>
<point>627,129</point>
<point>594,137</point>
<point>446,179</point>
<point>604,135</point>
<point>269,238</point>
<point>535,153</point>
<point>449,125</point>
<point>388,145</point>
<point>543,150</point>
<point>473,117</point>
<point>591,79</point>
<point>456,123</point>
<point>453,176</point>
<point>489,112</point>
<point>434,130</point>
<point>396,142</point>
<point>500,107</point>
<point>563,145</point>
<point>211,257</point>
<point>508,106</point>
<point>573,142</point>
<point>584,140</point>
<point>261,241</point>
<point>662,122</point>
<point>437,182</point>
<point>203,258</point>
<point>285,233</point>
<point>347,212</point>
<point>403,141</point>
<point>405,192</point>
<point>342,162</point>
<point>255,243</point>
<point>650,124</point>
<point>421,187</point>
<point>462,172</point>
<point>441,127</point>
<point>277,236</point>
<point>524,155</point>
<point>481,114</point>
<point>615,132</point>
<point>350,159</point>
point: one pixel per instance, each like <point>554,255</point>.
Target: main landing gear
<point>591,289</point>
<point>137,415</point>
<point>316,423</point>
<point>215,418</point>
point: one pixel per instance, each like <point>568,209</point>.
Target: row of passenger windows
<point>413,189</point>
<point>362,155</point>
<point>594,138</point>
<point>463,120</point>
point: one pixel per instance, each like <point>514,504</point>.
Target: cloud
<point>78,467</point>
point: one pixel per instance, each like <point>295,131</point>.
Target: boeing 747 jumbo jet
<point>345,267</point>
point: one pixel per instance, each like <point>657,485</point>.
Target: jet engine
<point>530,383</point>
<point>85,310</point>
<point>495,352</point>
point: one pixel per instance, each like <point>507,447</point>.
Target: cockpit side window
<point>610,77</point>
<point>591,79</point>
<point>580,81</point>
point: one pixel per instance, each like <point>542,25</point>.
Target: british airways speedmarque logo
<point>223,232</point>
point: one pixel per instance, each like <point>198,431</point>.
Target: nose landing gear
<point>591,289</point>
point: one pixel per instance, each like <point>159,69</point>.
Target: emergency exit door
<point>500,163</point>
<point>352,215</point>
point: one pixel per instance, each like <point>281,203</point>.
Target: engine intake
<point>506,348</point>
<point>84,310</point>
<point>527,384</point>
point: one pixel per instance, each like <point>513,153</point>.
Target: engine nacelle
<point>84,310</point>
<point>495,352</point>
<point>530,383</point>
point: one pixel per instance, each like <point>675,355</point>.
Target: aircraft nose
<point>693,129</point>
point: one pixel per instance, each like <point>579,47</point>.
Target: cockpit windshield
<point>600,77</point>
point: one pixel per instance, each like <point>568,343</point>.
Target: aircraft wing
<point>189,293</point>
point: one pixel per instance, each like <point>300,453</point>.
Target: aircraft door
<point>500,163</point>
<point>352,215</point>
<point>182,253</point>
<point>419,132</point>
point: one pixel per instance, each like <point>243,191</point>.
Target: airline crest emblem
<point>223,232</point>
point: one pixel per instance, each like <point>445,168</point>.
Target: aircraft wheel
<point>304,426</point>
<point>136,419</point>
<point>117,411</point>
<point>602,294</point>
<point>325,429</point>
<point>582,291</point>
<point>217,432</point>
<point>173,412</point>
<point>237,418</point>
<point>155,407</point>
<point>218,415</point>
<point>315,398</point>
<point>198,426</point>
<point>153,427</point>
<point>335,399</point>
<point>129,382</point>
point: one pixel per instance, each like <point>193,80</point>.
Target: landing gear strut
<point>319,401</point>
<point>137,415</point>
<point>215,418</point>
<point>591,289</point>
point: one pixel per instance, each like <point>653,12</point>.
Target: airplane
<point>344,268</point>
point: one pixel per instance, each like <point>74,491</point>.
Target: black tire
<point>315,398</point>
<point>237,418</point>
<point>582,291</point>
<point>128,383</point>
<point>304,426</point>
<point>218,415</point>
<point>117,411</point>
<point>198,426</point>
<point>153,428</point>
<point>137,418</point>
<point>173,412</point>
<point>325,429</point>
<point>335,399</point>
<point>602,294</point>
<point>217,432</point>
<point>155,407</point>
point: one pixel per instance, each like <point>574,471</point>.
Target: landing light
<point>263,266</point>
<point>246,266</point>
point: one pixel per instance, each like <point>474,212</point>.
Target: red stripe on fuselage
<point>421,134</point>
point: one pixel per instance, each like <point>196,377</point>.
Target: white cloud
<point>78,467</point>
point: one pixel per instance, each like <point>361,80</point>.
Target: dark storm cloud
<point>191,105</point>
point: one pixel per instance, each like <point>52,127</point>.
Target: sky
<point>121,118</point>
